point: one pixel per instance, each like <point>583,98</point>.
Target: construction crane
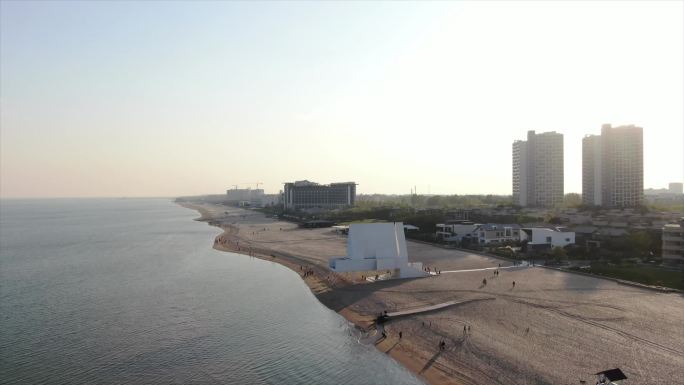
<point>256,183</point>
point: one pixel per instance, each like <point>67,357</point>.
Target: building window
<point>567,239</point>
<point>548,239</point>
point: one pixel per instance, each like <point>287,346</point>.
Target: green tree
<point>572,200</point>
<point>555,221</point>
<point>434,201</point>
<point>640,242</point>
<point>558,253</point>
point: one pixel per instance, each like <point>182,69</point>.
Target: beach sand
<point>553,327</point>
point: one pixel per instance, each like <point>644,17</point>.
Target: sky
<point>152,98</point>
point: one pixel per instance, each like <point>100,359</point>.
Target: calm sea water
<point>106,291</point>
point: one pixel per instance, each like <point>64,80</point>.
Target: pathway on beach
<point>438,306</point>
<point>524,264</point>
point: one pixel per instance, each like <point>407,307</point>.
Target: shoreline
<point>318,286</point>
<point>532,333</point>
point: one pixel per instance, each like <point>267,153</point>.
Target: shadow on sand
<point>342,297</point>
<point>431,361</point>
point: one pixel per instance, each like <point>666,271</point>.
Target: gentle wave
<point>130,291</point>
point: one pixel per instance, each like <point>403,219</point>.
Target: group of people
<point>223,241</point>
<point>484,282</point>
<point>442,345</point>
<point>306,273</point>
<point>496,274</point>
<point>384,334</point>
<point>434,269</point>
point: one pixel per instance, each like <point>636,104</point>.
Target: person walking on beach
<point>400,335</point>
<point>513,283</point>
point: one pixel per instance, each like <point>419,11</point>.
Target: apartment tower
<point>538,170</point>
<point>613,167</point>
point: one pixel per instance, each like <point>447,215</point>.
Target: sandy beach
<point>553,327</point>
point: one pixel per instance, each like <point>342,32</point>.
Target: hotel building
<point>309,195</point>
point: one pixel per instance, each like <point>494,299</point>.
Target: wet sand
<point>553,327</point>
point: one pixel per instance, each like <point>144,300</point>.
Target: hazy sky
<point>160,99</point>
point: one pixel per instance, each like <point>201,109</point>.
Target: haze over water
<point>130,291</point>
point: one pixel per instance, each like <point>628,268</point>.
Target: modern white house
<point>377,247</point>
<point>476,233</point>
<point>454,232</point>
<point>492,233</point>
<point>543,237</point>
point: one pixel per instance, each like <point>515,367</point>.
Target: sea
<point>130,291</point>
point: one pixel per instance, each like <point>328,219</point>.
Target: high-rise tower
<point>538,170</point>
<point>613,167</point>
